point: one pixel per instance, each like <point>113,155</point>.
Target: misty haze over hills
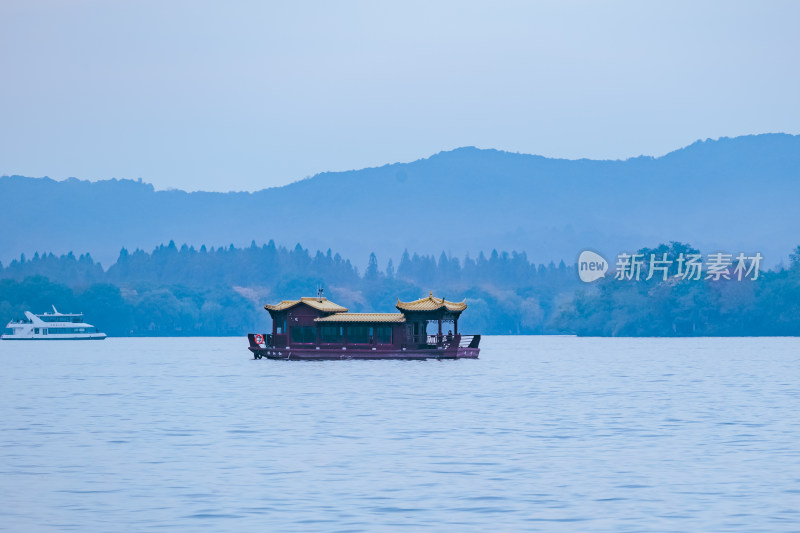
<point>732,194</point>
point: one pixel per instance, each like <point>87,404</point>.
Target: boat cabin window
<point>332,333</point>
<point>383,334</point>
<point>61,318</point>
<point>359,334</point>
<point>36,330</point>
<point>304,334</point>
<point>62,331</point>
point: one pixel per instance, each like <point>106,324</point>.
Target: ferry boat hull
<point>53,326</point>
<point>53,338</point>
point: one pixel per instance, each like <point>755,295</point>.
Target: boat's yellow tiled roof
<point>431,303</point>
<point>363,317</point>
<point>322,304</point>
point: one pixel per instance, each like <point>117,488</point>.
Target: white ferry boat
<point>51,326</point>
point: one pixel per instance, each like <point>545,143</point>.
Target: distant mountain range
<point>731,194</point>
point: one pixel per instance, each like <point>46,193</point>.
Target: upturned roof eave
<point>430,304</point>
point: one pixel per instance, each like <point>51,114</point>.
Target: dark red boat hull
<point>323,354</point>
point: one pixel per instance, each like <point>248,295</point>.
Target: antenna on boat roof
<point>55,311</point>
<point>320,290</point>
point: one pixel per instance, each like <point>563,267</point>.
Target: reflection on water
<point>541,433</point>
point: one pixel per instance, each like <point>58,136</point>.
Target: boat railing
<point>448,340</point>
<point>438,340</point>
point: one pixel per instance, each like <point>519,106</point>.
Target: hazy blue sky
<point>246,95</point>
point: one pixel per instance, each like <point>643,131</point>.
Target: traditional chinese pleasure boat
<point>318,329</point>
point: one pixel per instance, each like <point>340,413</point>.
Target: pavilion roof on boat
<point>431,303</point>
<point>318,303</point>
<point>430,309</point>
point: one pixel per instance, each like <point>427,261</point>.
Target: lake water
<point>539,434</point>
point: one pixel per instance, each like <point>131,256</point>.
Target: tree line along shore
<point>187,291</point>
